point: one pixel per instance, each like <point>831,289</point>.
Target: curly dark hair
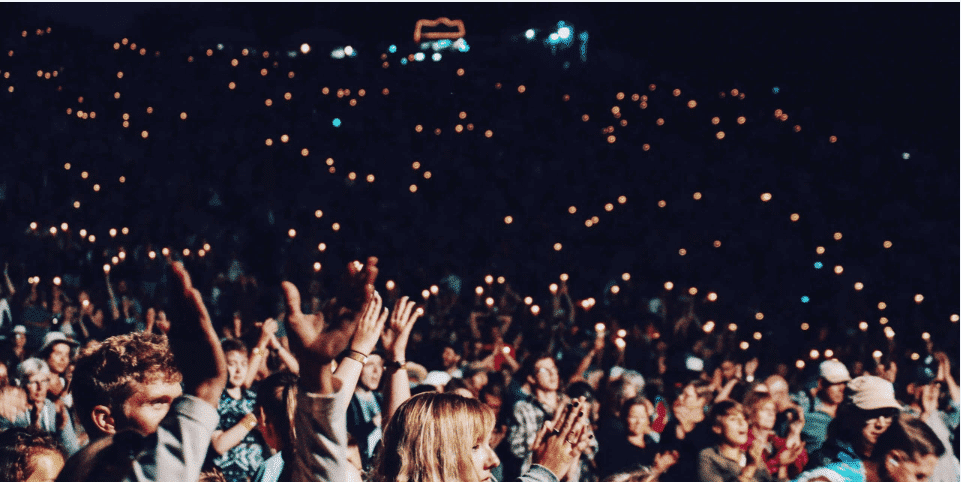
<point>19,446</point>
<point>105,373</point>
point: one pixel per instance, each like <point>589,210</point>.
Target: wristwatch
<point>396,364</point>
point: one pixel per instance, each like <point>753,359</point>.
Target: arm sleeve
<point>68,438</point>
<point>518,432</point>
<point>180,444</point>
<point>710,470</point>
<point>538,473</point>
<point>321,453</point>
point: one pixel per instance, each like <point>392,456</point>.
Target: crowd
<point>120,379</point>
<point>116,364</point>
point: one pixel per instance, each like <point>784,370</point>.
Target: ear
<point>103,419</point>
<point>895,459</point>
<point>717,429</point>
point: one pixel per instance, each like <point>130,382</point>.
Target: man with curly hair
<point>128,381</point>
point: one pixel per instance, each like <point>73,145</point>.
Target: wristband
<point>356,355</point>
<point>257,351</point>
<point>396,364</point>
<point>249,421</point>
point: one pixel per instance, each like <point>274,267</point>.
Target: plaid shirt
<point>527,419</point>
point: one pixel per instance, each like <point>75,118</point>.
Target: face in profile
<point>766,415</point>
<point>732,427</point>
<point>148,405</point>
<point>44,466</point>
<point>484,459</point>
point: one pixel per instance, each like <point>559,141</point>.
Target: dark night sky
<point>897,63</point>
<point>888,67</point>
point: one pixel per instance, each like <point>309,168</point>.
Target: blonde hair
<point>430,437</point>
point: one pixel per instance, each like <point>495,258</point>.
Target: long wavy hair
<point>430,437</point>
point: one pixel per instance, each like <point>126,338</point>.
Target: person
<point>686,433</point>
<point>365,415</point>
<point>304,417</point>
<point>57,351</point>
<point>144,426</point>
<point>820,409</point>
<point>444,437</point>
<point>923,395</point>
<point>42,414</point>
<point>725,460</point>
<point>784,458</point>
<point>868,410</point>
<point>127,381</point>
<point>528,414</point>
<point>636,448</point>
<point>907,451</point>
<point>27,455</point>
<point>238,446</point>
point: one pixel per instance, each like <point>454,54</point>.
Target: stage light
<point>529,34</point>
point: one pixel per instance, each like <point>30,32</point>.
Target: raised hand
<point>317,338</point>
<point>790,454</point>
<point>370,326</point>
<point>194,341</point>
<point>398,332</point>
<point>561,441</point>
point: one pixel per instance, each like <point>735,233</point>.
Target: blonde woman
<point>436,437</point>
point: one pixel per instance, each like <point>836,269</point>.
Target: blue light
<point>392,49</point>
<point>336,122</point>
<point>805,299</point>
<point>529,33</point>
<point>555,37</point>
<point>564,33</point>
<point>462,45</point>
<point>443,44</point>
<point>818,265</point>
<point>436,57</point>
<point>905,156</point>
<point>776,90</point>
<point>403,61</point>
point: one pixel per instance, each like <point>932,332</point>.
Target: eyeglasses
<point>873,416</point>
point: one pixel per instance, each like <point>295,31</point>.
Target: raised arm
<point>7,281</point>
<point>114,309</point>
<point>285,355</point>
<point>320,451</point>
<point>257,355</point>
<point>316,339</point>
<point>395,339</point>
<point>363,343</point>
<point>195,343</point>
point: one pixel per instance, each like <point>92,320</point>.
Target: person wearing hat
<point>833,377</point>
<point>923,392</point>
<point>868,410</point>
<point>57,351</point>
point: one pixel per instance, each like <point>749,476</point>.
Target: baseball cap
<point>20,329</point>
<point>868,392</point>
<point>834,371</point>
<point>925,371</point>
<point>54,337</point>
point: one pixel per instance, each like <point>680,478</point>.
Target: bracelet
<point>249,421</point>
<point>396,364</point>
<point>257,351</point>
<point>356,355</point>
